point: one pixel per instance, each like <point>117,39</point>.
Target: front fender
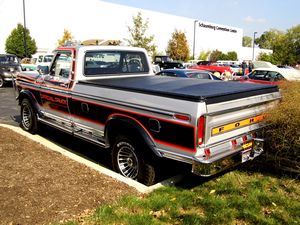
<point>27,94</point>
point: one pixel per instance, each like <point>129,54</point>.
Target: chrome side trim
<point>55,125</point>
<point>132,106</point>
<point>93,141</point>
<point>175,156</point>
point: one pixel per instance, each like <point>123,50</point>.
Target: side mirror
<point>43,70</point>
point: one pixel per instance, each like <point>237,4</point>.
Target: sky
<point>252,15</point>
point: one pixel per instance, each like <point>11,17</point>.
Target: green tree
<point>285,45</point>
<point>232,56</point>
<point>204,55</point>
<point>15,42</point>
<point>178,48</point>
<point>247,41</point>
<point>265,57</point>
<point>215,55</point>
<point>67,36</point>
<point>222,56</point>
<point>269,39</point>
<point>138,36</point>
<point>293,45</point>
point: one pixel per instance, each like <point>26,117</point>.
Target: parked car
<point>28,64</point>
<point>284,67</point>
<point>36,62</point>
<point>213,67</point>
<point>165,62</point>
<point>9,67</point>
<point>188,73</point>
<point>236,69</point>
<point>271,75</point>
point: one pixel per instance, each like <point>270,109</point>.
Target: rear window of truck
<point>115,62</point>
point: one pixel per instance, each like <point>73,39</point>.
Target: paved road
<point>9,110</point>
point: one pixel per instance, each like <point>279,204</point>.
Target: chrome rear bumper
<point>209,168</point>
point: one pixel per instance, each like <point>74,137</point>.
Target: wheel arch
<point>124,124</point>
<point>28,95</point>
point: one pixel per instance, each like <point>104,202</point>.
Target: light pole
<point>253,45</point>
<point>25,46</point>
<point>195,21</point>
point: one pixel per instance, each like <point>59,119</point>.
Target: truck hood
<point>187,89</point>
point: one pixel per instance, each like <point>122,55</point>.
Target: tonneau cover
<point>185,88</point>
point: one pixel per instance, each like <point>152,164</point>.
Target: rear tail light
<point>234,142</point>
<point>207,152</point>
<point>201,125</point>
<point>244,138</point>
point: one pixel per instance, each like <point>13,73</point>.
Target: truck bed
<point>195,90</point>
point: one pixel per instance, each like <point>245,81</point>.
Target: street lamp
<point>195,21</point>
<point>253,45</point>
<point>25,46</point>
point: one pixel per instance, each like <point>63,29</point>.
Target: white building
<point>95,19</point>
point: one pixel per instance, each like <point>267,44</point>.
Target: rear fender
<point>119,123</point>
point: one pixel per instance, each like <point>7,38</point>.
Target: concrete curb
<point>138,186</point>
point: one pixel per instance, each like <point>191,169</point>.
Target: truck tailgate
<point>237,120</point>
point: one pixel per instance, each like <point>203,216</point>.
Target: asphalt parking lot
<point>9,110</point>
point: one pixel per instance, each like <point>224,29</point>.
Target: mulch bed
<point>39,186</point>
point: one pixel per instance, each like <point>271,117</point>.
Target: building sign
<point>215,27</point>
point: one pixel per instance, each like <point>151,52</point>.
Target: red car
<point>212,67</point>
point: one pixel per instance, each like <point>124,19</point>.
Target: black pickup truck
<point>165,62</point>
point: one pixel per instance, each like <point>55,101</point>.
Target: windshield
<point>48,58</point>
<point>8,58</point>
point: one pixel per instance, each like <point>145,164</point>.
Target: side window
<point>279,77</point>
<point>259,75</point>
<point>40,59</point>
<point>271,76</point>
<point>200,76</point>
<point>252,74</point>
<point>48,58</point>
<point>61,66</point>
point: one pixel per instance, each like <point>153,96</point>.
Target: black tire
<point>28,117</point>
<point>2,82</point>
<point>129,160</point>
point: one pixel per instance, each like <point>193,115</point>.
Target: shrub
<point>283,133</point>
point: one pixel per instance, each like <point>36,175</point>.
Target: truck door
<point>55,91</point>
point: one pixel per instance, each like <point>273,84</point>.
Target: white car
<point>37,61</point>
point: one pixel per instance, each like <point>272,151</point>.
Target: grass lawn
<point>237,197</point>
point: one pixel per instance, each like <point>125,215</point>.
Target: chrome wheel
<point>1,82</point>
<point>127,160</point>
<point>26,117</point>
<point>130,157</point>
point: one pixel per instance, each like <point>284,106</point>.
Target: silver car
<point>9,68</point>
